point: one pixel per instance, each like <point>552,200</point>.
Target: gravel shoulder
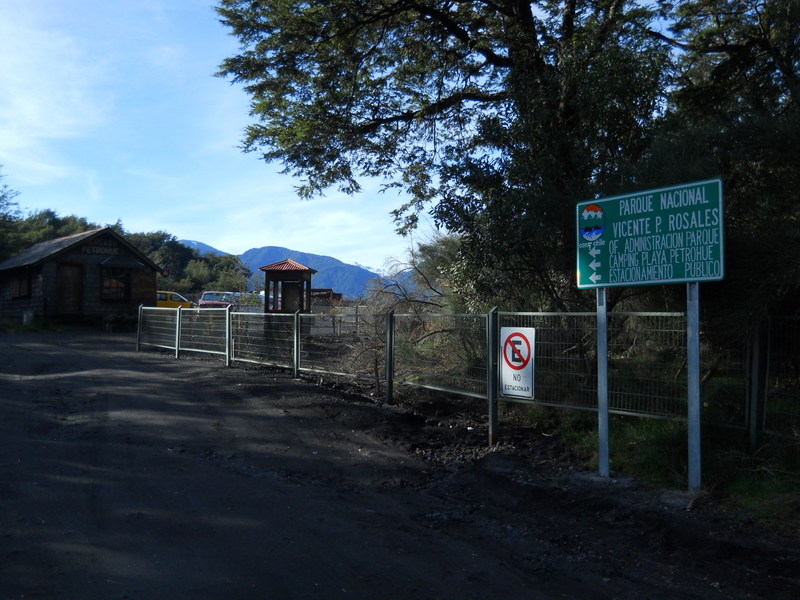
<point>137,476</point>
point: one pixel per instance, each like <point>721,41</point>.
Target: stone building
<point>91,276</point>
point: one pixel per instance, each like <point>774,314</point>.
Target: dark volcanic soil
<point>129,475</point>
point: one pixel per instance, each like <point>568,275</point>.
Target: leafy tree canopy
<point>734,112</point>
<point>47,225</point>
<point>8,214</point>
<point>422,283</point>
<point>497,116</point>
<point>184,269</point>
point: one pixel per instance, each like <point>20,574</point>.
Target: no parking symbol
<point>516,367</point>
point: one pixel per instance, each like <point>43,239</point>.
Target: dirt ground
<point>128,475</point>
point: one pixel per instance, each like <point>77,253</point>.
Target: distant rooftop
<point>47,250</point>
<point>287,265</point>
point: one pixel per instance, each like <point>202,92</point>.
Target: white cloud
<point>48,91</point>
<point>350,228</point>
<point>110,110</point>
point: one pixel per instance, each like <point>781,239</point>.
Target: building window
<point>20,286</point>
<point>116,284</point>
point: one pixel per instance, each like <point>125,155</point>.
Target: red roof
<point>287,265</point>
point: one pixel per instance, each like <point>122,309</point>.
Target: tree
<point>228,273</point>
<point>496,116</point>
<point>196,275</point>
<point>9,214</point>
<point>421,283</point>
<point>735,113</point>
<point>44,225</point>
<point>167,252</point>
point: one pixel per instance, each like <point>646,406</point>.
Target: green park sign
<point>666,235</point>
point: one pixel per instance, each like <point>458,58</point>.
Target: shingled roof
<point>287,265</point>
<point>42,251</point>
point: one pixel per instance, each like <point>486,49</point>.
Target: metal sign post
<point>602,382</point>
<point>693,377</point>
<point>661,236</point>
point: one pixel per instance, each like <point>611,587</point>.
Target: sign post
<point>517,345</point>
<point>693,381</point>
<point>602,384</point>
<point>661,236</point>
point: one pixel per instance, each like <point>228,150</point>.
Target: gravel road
<point>128,475</point>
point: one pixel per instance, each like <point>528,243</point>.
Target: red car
<point>212,299</point>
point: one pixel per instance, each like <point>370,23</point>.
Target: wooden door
<point>70,290</point>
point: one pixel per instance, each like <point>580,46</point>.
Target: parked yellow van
<point>172,300</point>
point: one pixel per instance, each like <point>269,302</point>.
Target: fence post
<point>492,349</point>
<point>178,332</point>
<point>228,335</point>
<point>765,373</point>
<point>759,379</point>
<point>296,346</point>
<point>389,360</point>
<point>139,328</point>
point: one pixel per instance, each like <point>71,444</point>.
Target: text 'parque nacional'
<point>669,235</point>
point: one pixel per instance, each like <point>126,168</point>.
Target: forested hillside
<point>350,280</point>
<point>188,266</point>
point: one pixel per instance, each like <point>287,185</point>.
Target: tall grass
<point>761,483</point>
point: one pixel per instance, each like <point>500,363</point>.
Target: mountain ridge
<point>349,280</point>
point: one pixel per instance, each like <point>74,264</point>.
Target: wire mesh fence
<point>565,357</point>
<point>647,362</point>
<point>158,328</point>
<point>725,379</point>
<point>266,339</point>
<point>204,330</point>
<point>343,344</point>
<point>782,405</point>
<point>442,352</point>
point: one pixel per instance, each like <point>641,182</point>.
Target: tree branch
<point>432,109</point>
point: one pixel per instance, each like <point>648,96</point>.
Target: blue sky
<point>111,111</point>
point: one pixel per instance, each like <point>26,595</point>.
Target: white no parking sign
<point>516,364</point>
